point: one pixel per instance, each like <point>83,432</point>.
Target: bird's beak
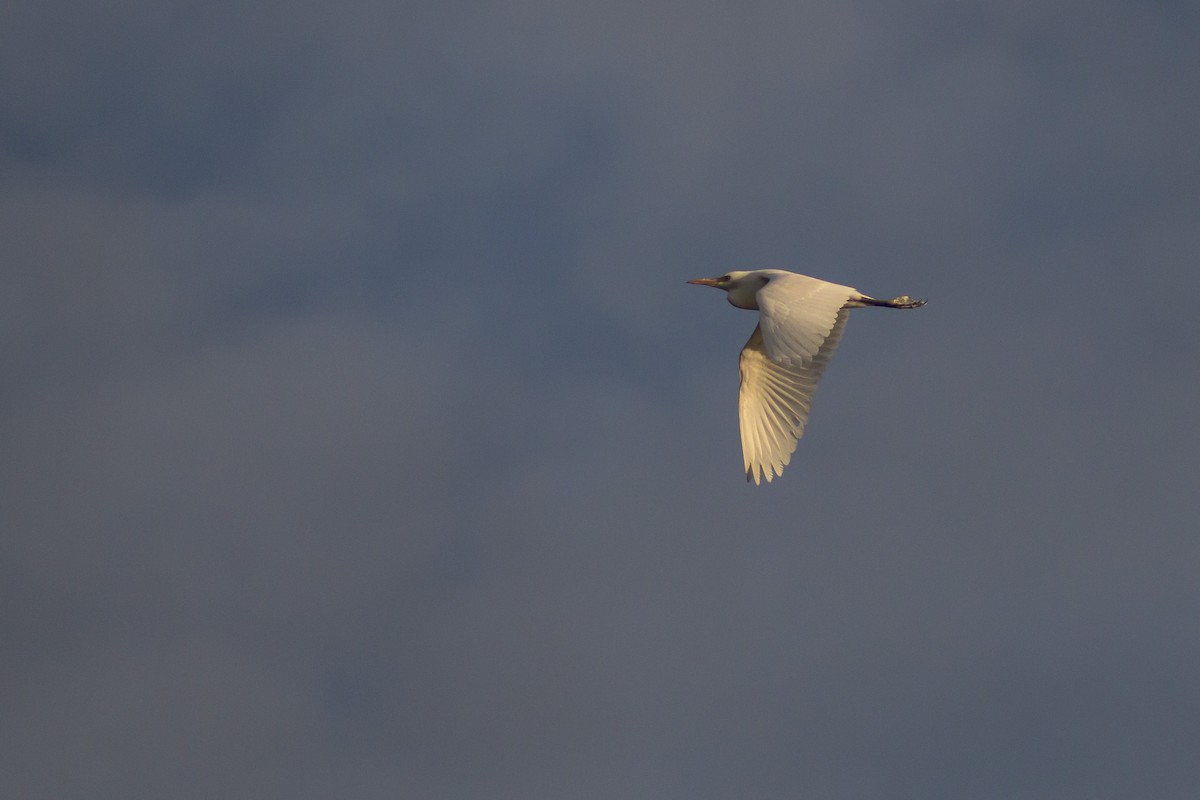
<point>705,281</point>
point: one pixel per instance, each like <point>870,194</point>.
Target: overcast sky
<point>360,437</point>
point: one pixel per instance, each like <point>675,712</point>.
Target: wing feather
<point>777,387</point>
<point>797,315</point>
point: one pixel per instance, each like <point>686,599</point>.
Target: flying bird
<point>800,321</point>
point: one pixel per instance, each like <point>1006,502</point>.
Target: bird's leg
<point>903,301</point>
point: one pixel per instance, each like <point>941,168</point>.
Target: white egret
<point>800,321</point>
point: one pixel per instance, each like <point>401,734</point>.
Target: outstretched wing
<point>800,325</point>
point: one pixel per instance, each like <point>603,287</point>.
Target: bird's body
<point>800,322</point>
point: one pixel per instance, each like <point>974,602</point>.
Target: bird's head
<point>742,287</point>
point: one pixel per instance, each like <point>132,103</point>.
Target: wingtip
<point>758,474</point>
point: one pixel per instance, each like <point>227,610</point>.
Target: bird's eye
<point>724,279</point>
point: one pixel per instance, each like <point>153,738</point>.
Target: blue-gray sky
<point>360,437</point>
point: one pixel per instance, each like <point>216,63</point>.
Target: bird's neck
<point>745,294</point>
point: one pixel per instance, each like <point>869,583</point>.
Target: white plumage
<point>800,322</point>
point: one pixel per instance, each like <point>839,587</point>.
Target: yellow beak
<point>705,281</point>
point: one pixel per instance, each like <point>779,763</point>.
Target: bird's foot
<point>904,301</point>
